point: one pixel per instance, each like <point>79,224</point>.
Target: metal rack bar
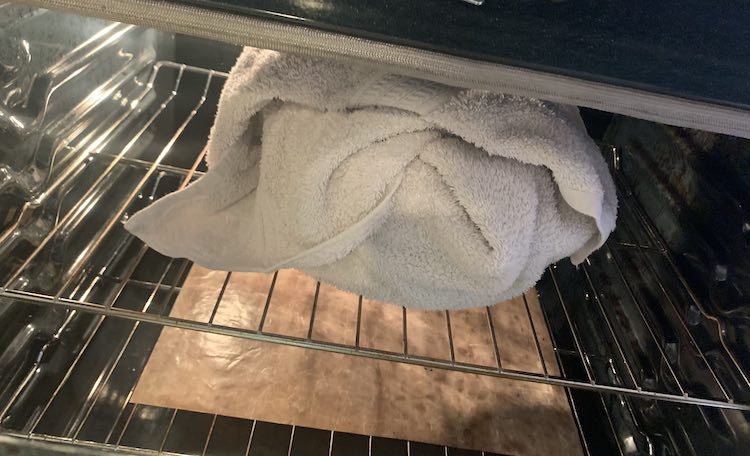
<point>124,428</point>
<point>128,273</point>
<point>450,338</point>
<point>268,303</point>
<point>156,289</point>
<point>250,439</point>
<point>573,329</point>
<point>94,395</point>
<point>406,340</point>
<point>218,299</point>
<point>611,426</point>
<point>612,333</point>
<point>132,389</point>
<point>191,69</point>
<point>208,436</point>
<point>536,337</point>
<point>585,358</point>
<point>144,164</point>
<point>166,433</point>
<point>632,246</point>
<point>41,299</point>
<point>136,282</point>
<point>118,448</point>
<point>291,440</point>
<point>312,312</point>
<point>359,322</point>
<point>495,347</point>
<point>568,395</point>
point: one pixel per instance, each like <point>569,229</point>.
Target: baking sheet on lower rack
<point>237,377</point>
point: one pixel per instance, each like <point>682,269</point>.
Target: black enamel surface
<point>691,48</point>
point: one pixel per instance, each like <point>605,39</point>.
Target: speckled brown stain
<point>236,377</point>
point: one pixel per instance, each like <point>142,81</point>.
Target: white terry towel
<point>399,189</point>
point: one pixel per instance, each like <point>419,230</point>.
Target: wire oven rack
<point>627,300</point>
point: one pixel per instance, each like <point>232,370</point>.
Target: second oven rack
<point>564,291</point>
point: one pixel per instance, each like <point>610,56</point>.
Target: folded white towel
<point>399,189</point>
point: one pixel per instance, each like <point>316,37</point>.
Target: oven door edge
<point>281,36</point>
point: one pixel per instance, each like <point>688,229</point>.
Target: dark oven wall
<point>695,187</point>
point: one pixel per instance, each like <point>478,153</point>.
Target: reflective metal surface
<point>649,352</point>
<point>584,291</point>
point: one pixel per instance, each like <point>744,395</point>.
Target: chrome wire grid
<point>606,291</point>
<point>636,240</point>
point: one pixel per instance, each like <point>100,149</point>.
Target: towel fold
<point>399,189</point>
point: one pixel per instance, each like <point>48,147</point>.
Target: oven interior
<point>99,119</point>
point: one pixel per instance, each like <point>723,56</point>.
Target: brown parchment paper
<point>235,377</point>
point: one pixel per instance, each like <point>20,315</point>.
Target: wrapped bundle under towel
<point>399,189</point>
